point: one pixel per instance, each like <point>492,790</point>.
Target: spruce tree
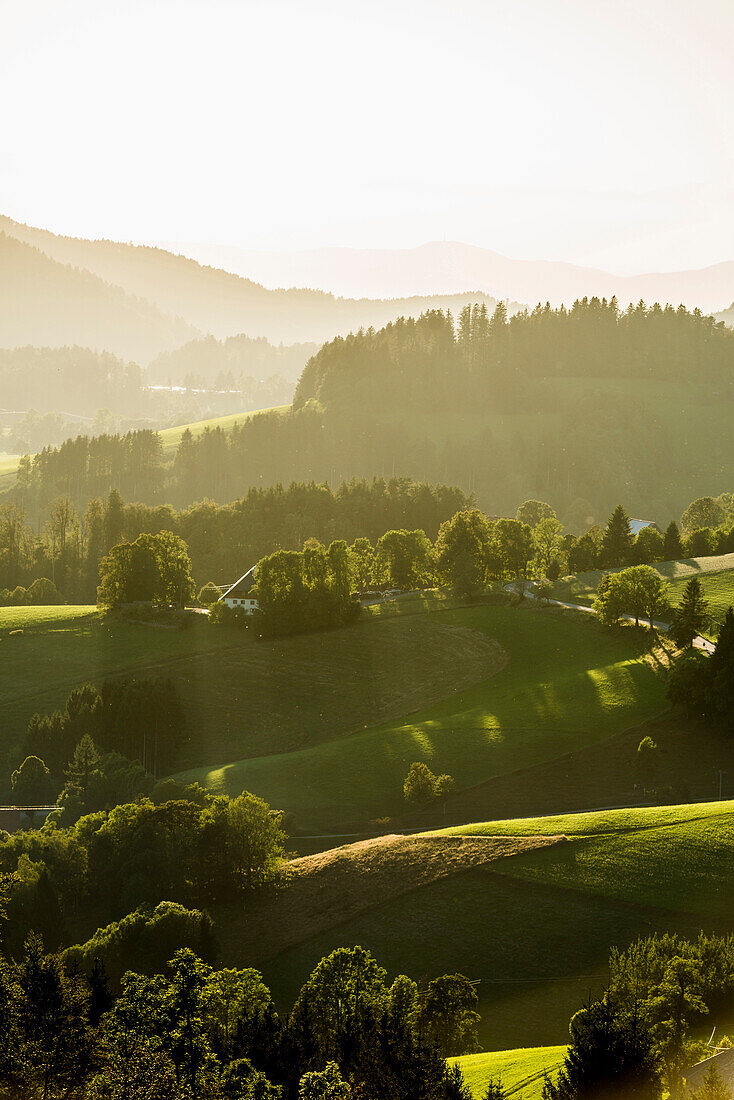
<point>617,542</point>
<point>672,545</point>
<point>114,520</point>
<point>690,616</point>
<point>611,1053</point>
<point>84,763</point>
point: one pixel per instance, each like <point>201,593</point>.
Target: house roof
<point>241,587</point>
<point>724,1062</point>
<point>636,525</point>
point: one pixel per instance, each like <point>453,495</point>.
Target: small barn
<point>240,594</point>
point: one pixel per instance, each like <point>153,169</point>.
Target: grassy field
<point>171,437</point>
<point>596,823</point>
<point>534,930</point>
<point>8,469</point>
<point>716,575</point>
<point>521,1072</point>
<point>567,683</point>
<point>242,695</point>
<point>40,618</point>
<point>718,589</point>
<point>672,857</point>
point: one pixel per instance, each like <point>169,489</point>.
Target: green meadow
<point>521,1072</point>
<point>567,683</point>
<point>535,930</point>
<point>715,573</point>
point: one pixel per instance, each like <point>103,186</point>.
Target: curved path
<point>698,642</point>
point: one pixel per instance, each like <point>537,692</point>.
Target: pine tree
<point>712,1087</point>
<point>113,520</point>
<point>690,616</point>
<point>672,545</point>
<point>84,763</point>
<point>617,542</point>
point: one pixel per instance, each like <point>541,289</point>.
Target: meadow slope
<point>716,575</point>
<point>535,928</point>
<point>242,695</point>
<point>521,1072</point>
<point>567,683</point>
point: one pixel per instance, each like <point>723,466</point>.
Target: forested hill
<point>506,364</point>
<point>46,302</point>
<point>579,407</point>
<point>208,300</point>
<point>208,359</point>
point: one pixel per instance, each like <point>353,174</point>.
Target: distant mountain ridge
<point>201,300</point>
<point>48,303</point>
<point>445,267</point>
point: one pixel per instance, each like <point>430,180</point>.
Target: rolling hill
<point>326,725</point>
<point>214,301</point>
<point>567,684</point>
<point>521,1072</point>
<point>243,696</point>
<point>715,573</point>
<point>441,267</point>
<point>47,302</point>
<point>533,927</point>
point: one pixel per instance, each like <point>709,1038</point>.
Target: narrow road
<point>698,643</point>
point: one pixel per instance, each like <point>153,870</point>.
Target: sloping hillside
<point>521,1072</point>
<point>218,302</point>
<point>534,930</point>
<point>321,891</point>
<point>244,697</point>
<point>715,574</point>
<point>567,683</point>
<point>46,302</point>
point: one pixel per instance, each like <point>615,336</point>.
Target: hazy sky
<point>590,130</point>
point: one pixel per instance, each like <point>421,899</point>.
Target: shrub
<point>422,786</point>
<point>44,592</point>
<point>209,594</point>
<point>144,940</point>
<point>223,615</point>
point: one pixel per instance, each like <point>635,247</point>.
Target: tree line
<point>180,844</point>
<point>196,1032</point>
<point>638,1040</point>
<point>494,357</point>
<point>127,733</point>
<point>223,540</point>
<point>67,556</point>
<point>376,402</point>
<point>140,1011</point>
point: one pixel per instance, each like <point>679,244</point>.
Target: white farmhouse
<point>239,594</point>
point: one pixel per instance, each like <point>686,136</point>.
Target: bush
<point>144,940</point>
<point>543,589</point>
<point>209,594</point>
<point>223,615</point>
<point>422,786</point>
<point>44,592</point>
